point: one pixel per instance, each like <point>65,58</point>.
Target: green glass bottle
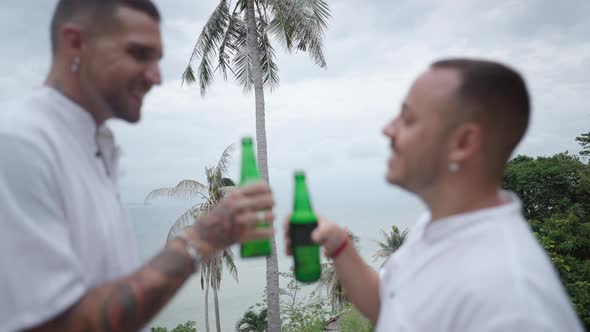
<point>251,174</point>
<point>306,254</point>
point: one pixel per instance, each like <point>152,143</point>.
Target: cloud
<point>329,121</point>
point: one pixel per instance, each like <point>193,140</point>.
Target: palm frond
<point>320,10</point>
<point>391,242</point>
<point>228,259</point>
<point>208,44</point>
<point>226,48</point>
<point>270,70</point>
<point>183,190</point>
<point>216,270</point>
<point>243,66</point>
<point>309,20</point>
<point>282,26</point>
<point>185,220</point>
<point>309,39</point>
<point>222,166</point>
<point>188,75</point>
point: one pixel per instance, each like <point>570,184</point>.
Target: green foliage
<point>555,192</point>
<point>302,309</point>
<point>351,320</point>
<point>391,242</point>
<point>189,326</point>
<point>302,313</point>
<point>567,240</point>
<point>549,185</point>
<point>253,322</point>
<point>584,141</point>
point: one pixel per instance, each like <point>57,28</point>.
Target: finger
<point>321,232</point>
<point>287,235</point>
<point>256,188</point>
<point>288,248</point>
<point>287,227</point>
<point>254,218</point>
<point>254,203</point>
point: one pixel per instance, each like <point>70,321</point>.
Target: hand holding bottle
<point>328,234</point>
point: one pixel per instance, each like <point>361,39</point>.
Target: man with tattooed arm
<point>70,261</point>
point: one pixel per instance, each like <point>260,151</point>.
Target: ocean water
<point>151,224</point>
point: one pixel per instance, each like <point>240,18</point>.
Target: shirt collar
<point>96,140</point>
<point>74,116</point>
<point>446,227</point>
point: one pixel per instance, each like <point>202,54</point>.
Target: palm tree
<point>239,39</point>
<point>329,280</point>
<point>391,242</point>
<point>218,185</point>
<point>253,322</point>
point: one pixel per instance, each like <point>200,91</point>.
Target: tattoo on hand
<point>216,228</point>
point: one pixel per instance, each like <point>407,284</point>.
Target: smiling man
<point>471,263</point>
<point>70,261</point>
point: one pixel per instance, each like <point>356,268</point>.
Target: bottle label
<point>301,234</point>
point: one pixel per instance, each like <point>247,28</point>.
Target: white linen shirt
<point>63,229</point>
<point>481,271</point>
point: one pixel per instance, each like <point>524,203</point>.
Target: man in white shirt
<point>472,263</point>
<point>69,257</point>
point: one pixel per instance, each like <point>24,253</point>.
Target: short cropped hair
<point>95,13</point>
<point>498,96</point>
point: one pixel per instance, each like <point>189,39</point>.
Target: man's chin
<point>392,179</point>
<point>129,116</point>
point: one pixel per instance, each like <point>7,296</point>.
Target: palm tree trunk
<point>216,301</point>
<point>207,305</point>
<point>272,269</point>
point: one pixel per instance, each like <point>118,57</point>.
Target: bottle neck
<point>249,169</point>
<point>302,201</point>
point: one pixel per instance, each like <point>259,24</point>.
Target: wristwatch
<point>192,250</point>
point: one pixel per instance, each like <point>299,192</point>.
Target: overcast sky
<point>329,122</point>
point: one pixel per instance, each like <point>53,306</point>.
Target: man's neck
<point>71,90</point>
<point>450,199</point>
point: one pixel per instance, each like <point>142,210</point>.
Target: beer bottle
<point>248,175</point>
<point>306,254</point>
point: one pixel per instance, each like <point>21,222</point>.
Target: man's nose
<point>153,75</point>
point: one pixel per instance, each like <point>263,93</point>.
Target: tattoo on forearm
<point>127,304</point>
<point>119,311</point>
<point>133,303</point>
<point>171,264</point>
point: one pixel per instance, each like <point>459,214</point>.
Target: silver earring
<point>454,167</point>
<point>75,65</point>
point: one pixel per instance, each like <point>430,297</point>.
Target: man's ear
<point>70,39</point>
<point>466,142</point>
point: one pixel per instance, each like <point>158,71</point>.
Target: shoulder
<point>28,121</point>
<point>505,274</point>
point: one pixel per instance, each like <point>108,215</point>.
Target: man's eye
<point>140,55</point>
